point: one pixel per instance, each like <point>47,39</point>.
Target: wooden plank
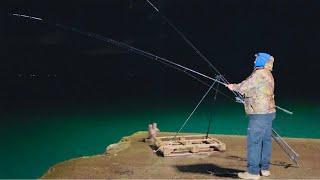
<point>187,145</point>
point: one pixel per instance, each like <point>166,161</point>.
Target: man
<point>258,92</point>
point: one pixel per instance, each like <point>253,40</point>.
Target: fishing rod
<point>293,156</point>
<point>123,46</point>
<point>182,35</point>
<point>221,77</point>
<point>194,110</point>
<point>91,35</point>
<point>194,48</point>
<point>128,48</point>
<point>238,96</point>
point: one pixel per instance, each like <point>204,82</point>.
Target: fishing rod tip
<point>289,112</point>
<point>25,16</point>
<point>13,14</point>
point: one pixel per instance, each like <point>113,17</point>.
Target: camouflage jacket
<point>258,91</point>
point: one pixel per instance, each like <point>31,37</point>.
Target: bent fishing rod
<point>129,48</point>
<point>123,46</point>
<point>140,52</point>
<point>143,53</point>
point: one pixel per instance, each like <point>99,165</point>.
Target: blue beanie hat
<point>261,60</point>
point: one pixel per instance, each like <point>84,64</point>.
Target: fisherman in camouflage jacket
<point>258,92</point>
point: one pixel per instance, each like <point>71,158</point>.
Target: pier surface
<point>133,158</point>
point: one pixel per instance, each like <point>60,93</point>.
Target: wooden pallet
<point>187,145</point>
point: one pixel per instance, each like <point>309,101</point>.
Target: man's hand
<point>230,86</point>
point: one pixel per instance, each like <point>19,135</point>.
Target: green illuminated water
<point>37,138</point>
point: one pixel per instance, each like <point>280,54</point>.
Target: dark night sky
<point>228,32</point>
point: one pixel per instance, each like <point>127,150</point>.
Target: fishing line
<point>190,115</point>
